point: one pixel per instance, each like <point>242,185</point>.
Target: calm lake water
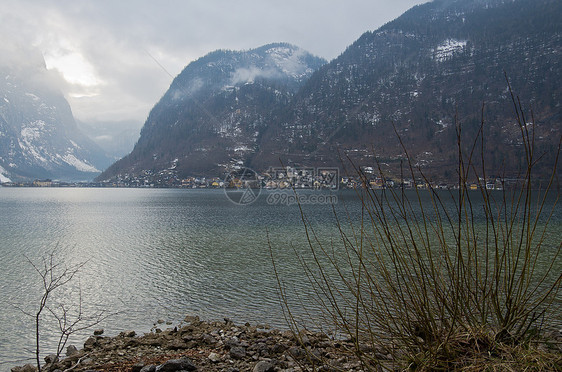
<point>155,254</point>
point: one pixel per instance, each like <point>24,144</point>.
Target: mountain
<point>213,115</point>
<point>38,135</point>
<point>437,62</point>
<point>439,66</point>
<point>117,139</point>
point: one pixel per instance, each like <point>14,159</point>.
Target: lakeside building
<point>43,183</point>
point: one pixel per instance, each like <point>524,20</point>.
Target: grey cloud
<point>189,90</point>
<point>249,75</point>
<point>113,36</point>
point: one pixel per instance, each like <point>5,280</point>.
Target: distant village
<point>274,178</point>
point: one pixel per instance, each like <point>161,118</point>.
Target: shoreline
<point>197,345</point>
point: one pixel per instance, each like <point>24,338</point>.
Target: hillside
<point>426,73</point>
<point>215,111</point>
<point>431,68</point>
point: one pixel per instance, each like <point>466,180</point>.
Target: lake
<point>157,254</point>
<point>151,254</point>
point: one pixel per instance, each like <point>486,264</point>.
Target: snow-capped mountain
<point>215,110</point>
<point>38,135</point>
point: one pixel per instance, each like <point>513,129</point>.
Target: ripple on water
<point>153,254</point>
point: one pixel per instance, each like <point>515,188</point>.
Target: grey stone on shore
<point>51,358</point>
<point>128,334</point>
<point>232,342</point>
<point>90,343</point>
<point>208,339</point>
<point>297,352</point>
<point>279,348</point>
<point>183,364</point>
<point>25,368</point>
<point>214,357</point>
<point>264,366</point>
<point>192,320</point>
<point>71,350</point>
<point>237,352</point>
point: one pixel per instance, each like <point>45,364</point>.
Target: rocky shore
<point>196,345</point>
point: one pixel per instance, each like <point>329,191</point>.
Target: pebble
<point>214,357</point>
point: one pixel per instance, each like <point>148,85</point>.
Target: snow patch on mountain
<point>242,149</point>
<point>79,164</point>
<point>290,61</point>
<point>32,96</point>
<point>3,177</point>
<point>30,135</point>
<point>447,49</point>
<point>30,151</point>
<point>32,131</point>
<point>34,148</point>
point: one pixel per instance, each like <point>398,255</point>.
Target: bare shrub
<point>441,287</point>
<point>69,318</point>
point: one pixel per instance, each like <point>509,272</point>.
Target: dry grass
<point>479,351</point>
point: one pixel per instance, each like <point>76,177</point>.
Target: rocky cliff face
<point>420,76</point>
<point>38,135</point>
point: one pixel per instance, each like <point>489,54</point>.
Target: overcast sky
<point>115,58</point>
